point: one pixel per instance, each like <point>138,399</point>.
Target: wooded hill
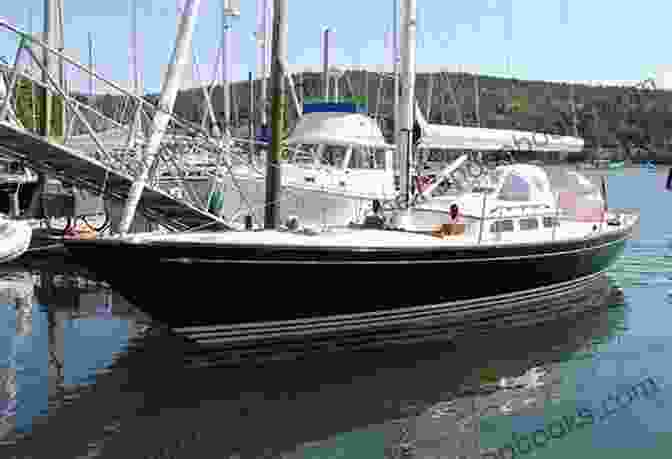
<point>616,119</point>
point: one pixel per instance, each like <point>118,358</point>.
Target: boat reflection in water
<point>168,396</point>
<point>17,294</point>
<point>33,379</point>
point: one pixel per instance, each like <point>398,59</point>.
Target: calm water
<point>83,374</point>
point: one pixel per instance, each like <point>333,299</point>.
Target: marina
<point>340,277</point>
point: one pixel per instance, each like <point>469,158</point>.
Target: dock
<point>78,169</point>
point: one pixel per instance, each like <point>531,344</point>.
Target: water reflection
<point>423,399</point>
<point>47,316</point>
<point>16,293</point>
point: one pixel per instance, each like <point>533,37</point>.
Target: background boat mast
<point>407,102</point>
<point>278,57</point>
<point>230,10</point>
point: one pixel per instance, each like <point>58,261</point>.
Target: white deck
<point>373,238</point>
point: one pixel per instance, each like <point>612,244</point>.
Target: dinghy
<point>15,237</point>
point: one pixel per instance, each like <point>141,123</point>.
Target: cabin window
<point>303,154</point>
<point>52,188</point>
<point>501,226</point>
<point>437,156</point>
<point>367,158</point>
<point>360,158</point>
<point>333,155</point>
<point>389,160</point>
<point>377,158</point>
<point>528,224</point>
<point>550,222</point>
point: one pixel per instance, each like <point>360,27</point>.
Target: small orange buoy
<point>87,233</point>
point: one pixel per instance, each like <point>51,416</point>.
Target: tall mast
<point>407,102</point>
<point>61,64</point>
<point>48,62</point>
<point>395,62</point>
<point>263,41</point>
<point>171,85</point>
<point>134,47</point>
<point>325,64</point>
<point>572,105</point>
<point>33,107</point>
<point>90,65</point>
<point>279,55</point>
<point>226,97</point>
<point>477,99</point>
<point>230,10</point>
<point>136,126</point>
<point>430,87</point>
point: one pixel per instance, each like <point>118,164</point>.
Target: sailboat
<point>289,283</point>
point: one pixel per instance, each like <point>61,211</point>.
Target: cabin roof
<point>337,129</point>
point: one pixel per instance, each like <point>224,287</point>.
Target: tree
<point>29,108</point>
<point>25,103</point>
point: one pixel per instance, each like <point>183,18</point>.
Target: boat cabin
<point>343,152</point>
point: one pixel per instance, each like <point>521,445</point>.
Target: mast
<point>33,108</point>
<point>166,103</point>
<point>273,173</point>
<point>395,62</point>
<point>61,64</point>
<point>35,207</point>
<point>226,96</point>
<point>572,105</point>
<point>250,116</point>
<point>48,62</point>
<point>430,84</point>
<point>325,64</point>
<point>90,65</point>
<point>477,99</point>
<point>263,40</point>
<point>230,10</point>
<point>407,101</point>
<point>136,126</point>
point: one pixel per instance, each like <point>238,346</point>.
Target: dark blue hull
<point>233,292</point>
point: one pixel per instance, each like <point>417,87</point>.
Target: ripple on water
<point>643,265</point>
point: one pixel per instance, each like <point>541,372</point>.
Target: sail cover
<point>481,139</point>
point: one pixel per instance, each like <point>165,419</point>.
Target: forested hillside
<point>616,119</point>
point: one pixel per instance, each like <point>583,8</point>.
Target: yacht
<point>402,271</point>
<point>404,266</point>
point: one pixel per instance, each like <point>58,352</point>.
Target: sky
<point>554,40</point>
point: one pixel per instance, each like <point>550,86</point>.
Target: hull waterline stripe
<point>451,313</point>
<point>417,310</point>
<point>264,335</point>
